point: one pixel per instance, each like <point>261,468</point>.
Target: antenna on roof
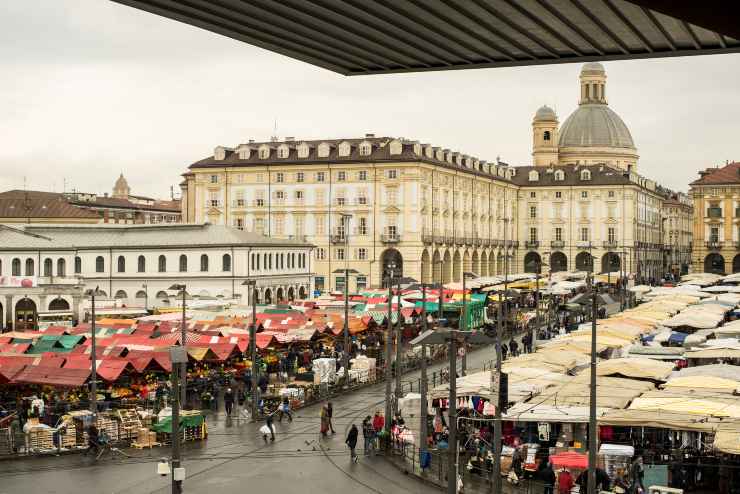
<point>274,137</point>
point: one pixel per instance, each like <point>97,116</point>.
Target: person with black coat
<point>351,441</point>
<point>547,477</point>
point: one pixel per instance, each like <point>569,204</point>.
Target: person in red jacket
<point>565,481</point>
<point>378,422</point>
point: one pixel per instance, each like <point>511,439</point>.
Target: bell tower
<point>545,137</point>
<point>593,84</point>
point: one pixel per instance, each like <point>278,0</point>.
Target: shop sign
<point>543,430</point>
<point>18,281</point>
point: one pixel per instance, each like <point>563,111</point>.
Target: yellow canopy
<point>714,353</point>
<point>198,353</point>
<point>703,382</point>
<point>637,367</point>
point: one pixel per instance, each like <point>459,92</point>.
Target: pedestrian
<point>351,441</point>
<point>547,477</point>
<point>268,428</point>
<point>637,474</point>
<point>504,351</point>
<point>378,422</point>
<point>368,434</point>
<point>329,414</point>
<point>228,401</point>
<point>285,409</point>
<point>513,347</point>
<point>324,420</point>
<point>565,481</point>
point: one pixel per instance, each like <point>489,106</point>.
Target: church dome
<point>595,125</point>
<point>545,113</point>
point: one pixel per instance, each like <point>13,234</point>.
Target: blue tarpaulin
<point>677,337</point>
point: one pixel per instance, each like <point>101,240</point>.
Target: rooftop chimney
<point>251,141</point>
<point>369,135</point>
<point>290,139</point>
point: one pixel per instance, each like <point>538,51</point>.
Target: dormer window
<point>264,152</point>
<point>429,152</point>
<point>324,150</point>
<point>302,150</point>
<point>283,151</point>
<point>559,175</point>
<point>365,148</point>
<point>534,176</point>
<point>585,175</point>
<point>219,153</point>
<point>417,149</point>
<point>439,155</point>
<point>396,147</point>
<point>344,149</point>
<point>244,152</point>
<point>546,135</point>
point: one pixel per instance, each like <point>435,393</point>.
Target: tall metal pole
<point>423,432</point>
<point>537,307</point>
<point>464,327</point>
<point>176,484</point>
<point>389,355</point>
<point>497,431</point>
<point>146,297</point>
<point>592,432</point>
<point>452,413</point>
<point>184,365</point>
<point>399,348</point>
<point>345,357</point>
<point>93,362</point>
<point>253,352</point>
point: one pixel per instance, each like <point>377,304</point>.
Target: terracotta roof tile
<point>35,204</point>
<point>728,174</point>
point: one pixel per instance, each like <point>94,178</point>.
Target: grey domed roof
<point>593,67</point>
<point>545,113</point>
<point>595,125</point>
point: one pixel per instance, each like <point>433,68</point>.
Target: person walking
<point>547,477</point>
<point>228,401</point>
<point>329,414</point>
<point>351,441</point>
<point>285,409</point>
<point>637,474</point>
<point>565,481</point>
<point>324,420</point>
<point>268,428</point>
<point>368,434</point>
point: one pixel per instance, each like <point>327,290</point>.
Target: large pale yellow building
<point>367,204</point>
<point>716,198</point>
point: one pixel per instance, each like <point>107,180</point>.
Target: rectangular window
<point>298,223</point>
<point>559,234</point>
<point>339,283</point>
<point>611,193</point>
<point>259,225</point>
<point>279,178</point>
<point>584,194</point>
<point>300,177</point>
<point>558,195</point>
<point>319,283</point>
<point>362,175</point>
<point>611,234</point>
<point>612,210</point>
<point>341,201</point>
<point>362,199</point>
<point>320,176</point>
<point>714,234</point>
<point>279,225</point>
<point>533,194</point>
<point>259,178</point>
<point>279,195</point>
<point>239,223</point>
<point>299,195</point>
<point>362,226</point>
<point>584,234</point>
<point>341,176</point>
<point>320,254</point>
<point>320,225</point>
<point>361,283</point>
<point>339,254</point>
<point>532,212</point>
<point>362,254</point>
<point>533,234</point>
<point>213,199</point>
<point>392,174</point>
<point>214,179</point>
<point>391,230</point>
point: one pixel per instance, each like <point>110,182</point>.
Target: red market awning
<point>111,369</point>
<point>52,377</point>
<point>569,459</point>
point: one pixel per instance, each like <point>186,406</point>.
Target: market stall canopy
<point>52,376</point>
<point>725,371</point>
<point>687,402</point>
<point>713,353</point>
<point>716,384</point>
<point>569,459</point>
<point>662,420</point>
<point>539,412</point>
<point>638,368</point>
<point>727,439</point>
<point>656,352</point>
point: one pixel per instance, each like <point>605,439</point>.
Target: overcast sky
<point>90,88</point>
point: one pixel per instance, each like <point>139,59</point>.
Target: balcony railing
<point>427,239</point>
<point>390,238</point>
<point>532,244</point>
<point>557,244</point>
<point>338,238</point>
<point>439,239</point>
<point>713,244</point>
<point>610,244</point>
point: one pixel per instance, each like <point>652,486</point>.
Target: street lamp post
<point>253,346</point>
<point>389,349</point>
<point>463,325</point>
<point>93,356</point>
<point>183,335</point>
<point>146,297</point>
<point>592,432</point>
<point>347,345</point>
<point>399,346</point>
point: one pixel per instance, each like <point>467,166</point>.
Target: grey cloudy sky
<point>90,88</point>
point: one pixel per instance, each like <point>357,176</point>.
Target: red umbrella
<point>569,459</point>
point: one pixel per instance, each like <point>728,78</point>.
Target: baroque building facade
<point>375,202</point>
<point>716,200</point>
